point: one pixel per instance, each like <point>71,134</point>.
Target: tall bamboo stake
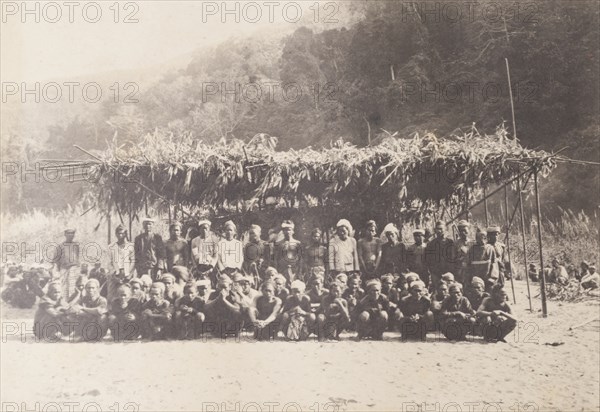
<point>539,230</point>
<point>512,283</point>
<point>485,208</point>
<point>524,243</point>
<point>512,104</point>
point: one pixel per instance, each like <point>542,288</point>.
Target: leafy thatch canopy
<point>419,173</point>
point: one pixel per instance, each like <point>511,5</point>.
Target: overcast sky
<point>46,50</point>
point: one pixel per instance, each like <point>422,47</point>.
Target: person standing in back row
<point>439,255</point>
<point>149,252</point>
<point>288,253</point>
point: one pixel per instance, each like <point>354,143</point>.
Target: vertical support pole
<point>524,243</point>
<point>485,207</point>
<point>146,206</point>
<point>170,220</point>
<point>108,223</point>
<point>539,230</point>
<point>512,283</point>
<point>130,235</point>
<point>467,204</point>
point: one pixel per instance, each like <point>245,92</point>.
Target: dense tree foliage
<point>403,67</point>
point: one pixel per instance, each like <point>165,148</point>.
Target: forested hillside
<point>402,68</point>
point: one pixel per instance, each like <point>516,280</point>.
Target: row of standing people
<point>208,255</point>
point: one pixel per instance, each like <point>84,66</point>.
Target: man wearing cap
<point>591,280</point>
<point>369,251</point>
<point>393,251</point>
<point>439,254</point>
<point>205,251</point>
<point>288,253</point>
<point>230,250</point>
<point>122,262</point>
<point>177,250</point>
<point>149,251</point>
<point>415,255</point>
<point>66,263</point>
<point>343,256</point>
<point>500,263</point>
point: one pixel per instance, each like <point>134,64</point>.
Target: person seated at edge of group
<point>332,315</point>
<point>343,256</point>
<point>49,322</point>
<point>416,314</point>
<point>189,312</point>
<point>458,317</point>
<point>156,314</point>
<point>224,309</point>
<point>392,251</point>
<point>230,250</point>
<point>369,251</point>
<point>591,281</point>
<point>495,317</point>
<point>315,254</point>
<point>124,315</point>
<point>297,320</point>
<point>256,255</point>
<point>372,312</point>
<point>264,313</point>
<point>177,250</point>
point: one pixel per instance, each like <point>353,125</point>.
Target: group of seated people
<point>366,288</point>
<point>155,310</point>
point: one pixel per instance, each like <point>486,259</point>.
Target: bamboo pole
<point>539,230</point>
<point>512,283</point>
<point>489,195</point>
<point>485,208</point>
<point>130,235</point>
<point>524,243</point>
<point>512,104</point>
<point>108,224</point>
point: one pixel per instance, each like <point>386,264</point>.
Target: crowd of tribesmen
<point>217,285</point>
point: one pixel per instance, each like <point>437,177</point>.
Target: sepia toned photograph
<point>310,205</point>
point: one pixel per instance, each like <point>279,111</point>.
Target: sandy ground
<point>544,366</point>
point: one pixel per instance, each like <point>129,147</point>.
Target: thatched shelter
<point>405,178</point>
